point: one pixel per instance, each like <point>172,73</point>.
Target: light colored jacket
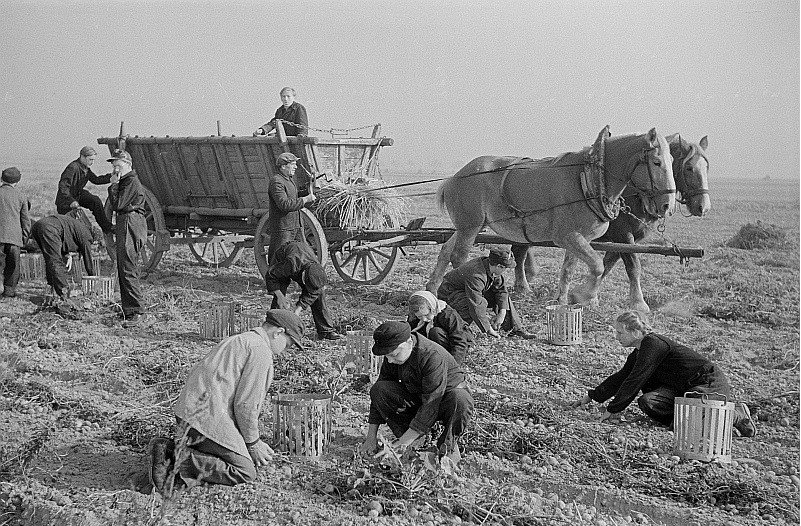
<point>224,393</point>
<point>15,223</point>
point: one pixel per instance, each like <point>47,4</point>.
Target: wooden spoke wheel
<point>154,248</point>
<point>312,229</point>
<point>217,252</point>
<point>357,262</point>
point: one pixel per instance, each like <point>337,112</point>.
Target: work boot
<point>743,422</point>
<point>162,451</point>
<point>111,246</point>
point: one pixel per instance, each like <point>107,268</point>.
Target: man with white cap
<point>284,221</point>
<point>72,194</point>
<point>218,409</point>
<point>127,200</point>
<point>420,383</point>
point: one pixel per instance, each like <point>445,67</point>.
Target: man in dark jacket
<point>438,322</point>
<point>127,200</point>
<point>290,111</point>
<point>284,221</point>
<point>57,236</point>
<point>478,285</point>
<point>71,193</point>
<point>419,384</point>
<point>295,261</point>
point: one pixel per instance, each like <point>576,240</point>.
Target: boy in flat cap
<point>15,228</point>
<point>284,221</point>
<point>218,409</point>
<point>290,111</point>
<point>420,383</point>
<point>127,200</point>
<point>57,236</point>
<point>479,285</point>
<point>71,193</point>
<point>296,262</point>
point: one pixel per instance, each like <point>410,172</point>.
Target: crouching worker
<point>419,384</point>
<point>438,322</point>
<point>662,369</point>
<point>295,261</point>
<point>479,285</point>
<point>218,409</point>
<point>58,236</point>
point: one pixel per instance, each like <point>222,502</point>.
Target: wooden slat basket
<point>360,344</point>
<point>101,287</point>
<point>218,321</point>
<point>32,267</point>
<point>250,320</point>
<point>302,424</point>
<point>702,427</point>
<point>564,324</point>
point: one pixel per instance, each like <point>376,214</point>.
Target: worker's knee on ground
<point>248,472</point>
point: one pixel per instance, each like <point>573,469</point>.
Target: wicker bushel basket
<point>702,427</point>
<point>360,345</point>
<point>564,324</point>
<point>218,321</point>
<point>99,286</point>
<point>302,424</point>
<point>31,267</point>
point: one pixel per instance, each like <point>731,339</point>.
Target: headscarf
<point>435,306</point>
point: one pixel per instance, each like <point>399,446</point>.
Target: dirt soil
<point>81,395</point>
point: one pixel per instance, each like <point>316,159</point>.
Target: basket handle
<point>705,396</point>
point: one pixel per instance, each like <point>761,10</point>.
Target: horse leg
<point>633,269</point>
<point>444,258</point>
<point>523,260</point>
<point>565,275</point>
<point>587,292</point>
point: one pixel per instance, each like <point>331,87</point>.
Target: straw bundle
<point>359,205</point>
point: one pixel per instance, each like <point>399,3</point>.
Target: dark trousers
<point>131,237</point>
<point>282,237</point>
<point>319,309</point>
<point>95,205</point>
<point>9,268</point>
<point>391,403</point>
<point>208,461</point>
<point>512,321</point>
<point>657,402</point>
<point>49,237</point>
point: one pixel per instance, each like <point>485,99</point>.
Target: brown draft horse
<point>690,168</point>
<point>527,201</point>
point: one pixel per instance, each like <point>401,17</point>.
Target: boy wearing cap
<point>478,285</point>
<point>127,200</point>
<point>296,262</point>
<point>420,383</point>
<point>15,228</point>
<point>284,221</point>
<point>219,409</point>
<point>57,236</point>
<point>71,193</point>
<point>290,111</point>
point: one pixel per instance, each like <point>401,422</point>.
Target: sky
<point>448,80</point>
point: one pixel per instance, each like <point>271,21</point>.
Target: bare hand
<point>368,447</point>
<point>74,205</point>
<point>612,418</point>
<point>583,401</point>
<point>298,310</point>
<point>69,262</point>
<point>115,176</point>
<point>260,453</point>
<point>493,333</point>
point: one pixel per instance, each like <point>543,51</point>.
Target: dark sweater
<point>291,260</point>
<point>658,361</point>
<point>459,336</point>
<point>73,180</point>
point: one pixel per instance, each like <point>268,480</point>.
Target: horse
<point>562,199</point>
<point>690,167</point>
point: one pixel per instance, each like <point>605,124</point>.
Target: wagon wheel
<point>152,249</point>
<point>217,253</point>
<point>313,230</point>
<point>356,262</point>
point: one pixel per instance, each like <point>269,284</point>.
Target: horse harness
<point>682,159</point>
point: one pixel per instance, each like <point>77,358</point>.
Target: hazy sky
<point>448,80</point>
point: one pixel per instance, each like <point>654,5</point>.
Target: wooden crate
<point>217,322</point>
<point>302,424</point>
<point>359,344</point>
<point>250,320</point>
<point>101,287</point>
<point>564,324</point>
<point>31,267</point>
<point>702,427</point>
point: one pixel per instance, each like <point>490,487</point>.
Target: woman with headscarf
<point>434,319</point>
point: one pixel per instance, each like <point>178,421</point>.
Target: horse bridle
<point>682,159</point>
<point>643,159</point>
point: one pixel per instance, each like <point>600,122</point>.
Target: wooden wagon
<point>211,193</point>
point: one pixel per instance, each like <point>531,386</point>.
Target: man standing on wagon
<point>291,113</point>
<point>72,194</point>
<point>128,201</point>
<point>284,221</point>
<point>479,285</point>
